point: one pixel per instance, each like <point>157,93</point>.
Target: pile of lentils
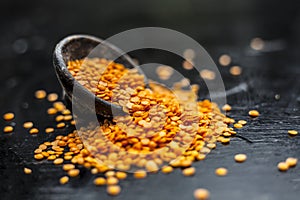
<point>158,120</point>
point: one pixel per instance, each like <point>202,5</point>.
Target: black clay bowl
<point>79,47</point>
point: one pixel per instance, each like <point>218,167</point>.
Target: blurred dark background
<point>30,29</point>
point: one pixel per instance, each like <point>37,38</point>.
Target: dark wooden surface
<point>30,29</point>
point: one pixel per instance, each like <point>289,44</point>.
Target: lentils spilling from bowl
<point>164,129</point>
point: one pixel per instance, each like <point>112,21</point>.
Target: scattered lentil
<point>63,180</point>
<point>51,111</point>
<point>293,132</point>
<point>58,161</point>
<point>238,125</point>
<point>189,171</point>
<point>61,125</point>
<point>27,170</point>
<point>242,122</point>
<point>73,172</point>
<point>68,167</point>
<point>40,94</point>
<point>38,156</point>
<point>188,64</point>
<point>257,44</point>
<point>207,74</point>
<point>283,166</point>
<point>139,174</point>
<point>49,130</point>
<point>292,162</point>
<point>221,171</point>
<point>226,107</point>
<point>34,131</point>
<point>201,194</point>
<point>99,181</point>
<point>240,158</point>
<point>113,190</point>
<point>28,125</point>
<point>225,60</point>
<point>52,97</point>
<point>112,181</point>
<point>8,129</point>
<point>235,70</point>
<point>167,169</point>
<point>8,116</point>
<point>121,175</point>
<point>253,113</point>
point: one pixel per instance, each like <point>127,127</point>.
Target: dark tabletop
<point>30,29</point>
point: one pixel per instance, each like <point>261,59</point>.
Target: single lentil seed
<point>226,107</point>
<point>38,151</point>
<point>59,118</point>
<point>282,166</point>
<point>110,173</point>
<point>221,171</point>
<point>27,170</point>
<point>201,194</point>
<point>68,117</point>
<point>112,181</point>
<point>51,111</point>
<point>257,44</point>
<point>292,162</point>
<point>121,175</point>
<point>49,130</point>
<point>8,116</point>
<point>225,60</point>
<point>167,169</point>
<point>253,113</point>
<point>73,172</point>
<point>113,190</point>
<point>52,97</point>
<point>211,145</point>
<point>240,158</point>
<point>242,122</point>
<point>51,157</point>
<point>40,94</point>
<point>225,140</point>
<point>238,125</point>
<point>61,125</point>
<point>33,131</point>
<point>189,171</point>
<point>28,125</point>
<point>38,156</point>
<point>8,129</point>
<point>293,132</point>
<point>68,167</point>
<point>58,161</point>
<point>139,174</point>
<point>63,180</point>
<point>94,171</point>
<point>207,74</point>
<point>68,157</point>
<point>99,181</point>
<point>235,70</point>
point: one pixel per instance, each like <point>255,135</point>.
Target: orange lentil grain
<point>8,129</point>
<point>40,94</point>
<point>99,181</point>
<point>27,170</point>
<point>8,116</point>
<point>34,131</point>
<point>63,180</point>
<point>113,190</point>
<point>201,194</point>
<point>28,125</point>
